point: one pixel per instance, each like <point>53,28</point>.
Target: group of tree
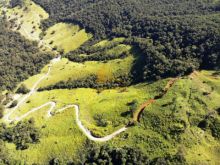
<point>117,17</point>
<point>110,155</point>
<point>105,155</point>
<point>19,58</point>
<point>22,134</point>
<point>22,89</point>
<point>100,56</point>
<point>90,81</point>
<point>211,123</point>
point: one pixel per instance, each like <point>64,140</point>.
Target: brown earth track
<point>139,111</point>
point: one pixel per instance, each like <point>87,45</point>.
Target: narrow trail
<point>52,106</point>
<point>139,111</point>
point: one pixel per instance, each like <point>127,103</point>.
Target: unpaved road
<point>52,106</point>
<point>23,100</point>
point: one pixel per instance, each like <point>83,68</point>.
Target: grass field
<point>148,135</point>
<point>106,42</point>
<point>61,133</point>
<point>67,37</point>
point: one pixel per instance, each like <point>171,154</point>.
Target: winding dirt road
<point>23,100</point>
<point>52,106</point>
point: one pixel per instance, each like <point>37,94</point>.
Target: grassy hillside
<point>108,80</point>
<point>66,37</point>
<point>65,70</point>
<point>169,125</point>
<point>27,19</point>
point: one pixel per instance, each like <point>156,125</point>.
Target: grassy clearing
<point>66,36</point>
<point>64,70</point>
<point>183,107</point>
<point>105,43</point>
<point>118,49</point>
<point>27,19</point>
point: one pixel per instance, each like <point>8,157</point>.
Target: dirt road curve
<point>52,106</point>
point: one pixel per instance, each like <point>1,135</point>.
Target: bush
<point>13,104</point>
<point>23,89</point>
<point>54,161</point>
<point>100,120</point>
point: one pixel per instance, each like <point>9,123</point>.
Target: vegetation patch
<point>65,37</point>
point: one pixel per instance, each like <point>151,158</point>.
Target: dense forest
<point>174,37</point>
<point>19,58</point>
<point>109,17</point>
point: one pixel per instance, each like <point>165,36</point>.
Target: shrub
<point>100,121</point>
<point>13,104</point>
<point>23,89</point>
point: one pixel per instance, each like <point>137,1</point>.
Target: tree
<point>4,154</point>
